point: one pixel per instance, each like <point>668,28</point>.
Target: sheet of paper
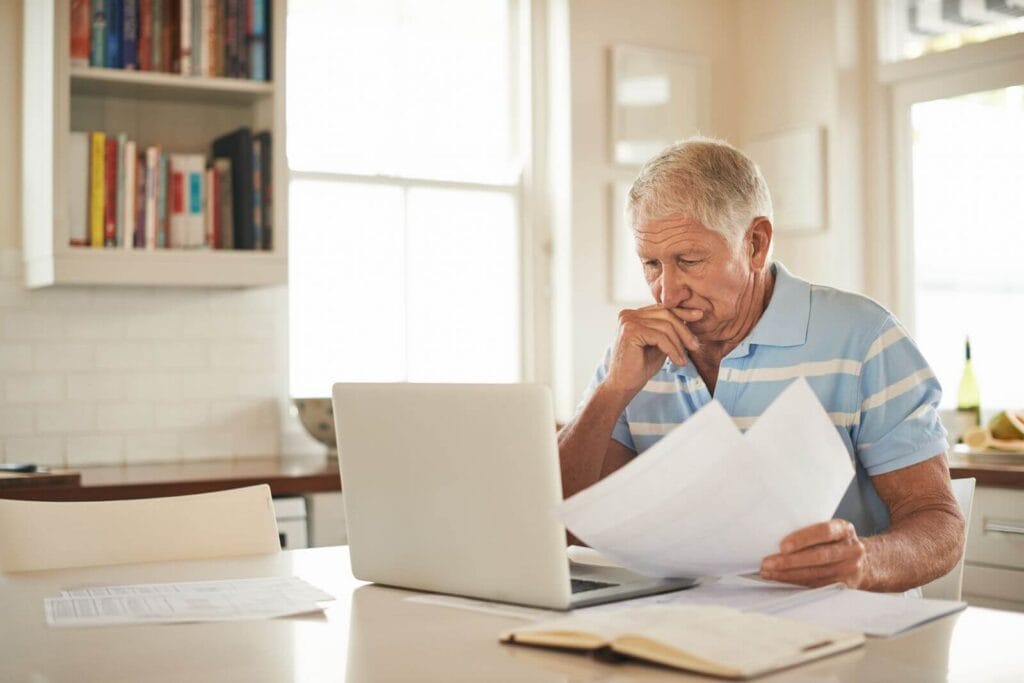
<point>707,500</point>
<point>183,602</point>
<point>874,614</point>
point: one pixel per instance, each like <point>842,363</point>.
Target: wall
<point>93,375</point>
<point>801,64</point>
<point>588,319</point>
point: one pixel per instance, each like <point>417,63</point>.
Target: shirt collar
<point>784,321</point>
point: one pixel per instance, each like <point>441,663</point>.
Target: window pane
<point>911,28</point>
<point>463,286</point>
<point>967,180</point>
<point>420,88</point>
<point>346,285</point>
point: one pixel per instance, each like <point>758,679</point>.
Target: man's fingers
<point>677,319</point>
<point>844,572</point>
<point>815,556</point>
<point>654,337</point>
<point>816,534</point>
<point>672,334</point>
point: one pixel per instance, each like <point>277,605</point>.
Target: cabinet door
<point>996,534</point>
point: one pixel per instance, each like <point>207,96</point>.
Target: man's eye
<point>689,262</point>
<point>650,264</point>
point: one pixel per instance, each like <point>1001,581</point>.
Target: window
<point>911,28</point>
<point>968,244</point>
<point>405,171</point>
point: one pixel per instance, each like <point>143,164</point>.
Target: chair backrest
<point>948,587</point>
<point>37,535</point>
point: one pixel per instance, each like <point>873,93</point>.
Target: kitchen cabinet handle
<point>1004,527</point>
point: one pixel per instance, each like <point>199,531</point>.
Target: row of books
<point>122,195</point>
<point>191,37</point>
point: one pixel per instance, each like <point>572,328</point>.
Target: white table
<point>375,634</point>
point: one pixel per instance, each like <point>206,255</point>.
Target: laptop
<point>453,488</point>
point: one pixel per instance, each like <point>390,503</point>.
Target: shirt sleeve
<point>621,431</point>
<point>899,421</point>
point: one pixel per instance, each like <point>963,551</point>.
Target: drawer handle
<point>1005,527</point>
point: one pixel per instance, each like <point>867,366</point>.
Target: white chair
<point>948,587</point>
<point>37,535</point>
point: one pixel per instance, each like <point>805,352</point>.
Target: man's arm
<point>647,336</point>
<point>924,541</point>
<point>588,433</point>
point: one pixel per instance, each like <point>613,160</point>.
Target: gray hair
<point>704,179</point>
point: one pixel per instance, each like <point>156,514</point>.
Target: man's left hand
<point>818,555</point>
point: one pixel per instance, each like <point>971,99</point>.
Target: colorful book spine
<point>184,37</point>
<point>110,195</point>
<point>257,193</point>
<point>119,192</point>
<point>80,32</point>
<point>258,40</point>
<point>163,202</point>
<point>98,37</point>
<point>198,35</point>
<point>78,190</point>
<point>195,229</point>
<point>139,235</point>
<point>226,211</point>
<point>152,190</point>
<point>130,35</point>
<point>210,217</point>
<point>97,188</point>
<point>158,34</point>
<point>145,46</point>
<point>209,56</point>
<point>231,38</point>
<point>115,26</point>
<point>177,233</point>
<point>129,158</point>
<point>172,29</point>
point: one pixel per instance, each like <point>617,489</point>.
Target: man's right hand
<point>647,336</point>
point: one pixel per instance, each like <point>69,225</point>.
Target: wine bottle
<point>968,401</point>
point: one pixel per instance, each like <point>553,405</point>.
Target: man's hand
<point>647,336</point>
<point>818,555</point>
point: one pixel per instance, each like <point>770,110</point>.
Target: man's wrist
<point>613,396</point>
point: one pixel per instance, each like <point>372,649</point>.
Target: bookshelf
<point>182,113</point>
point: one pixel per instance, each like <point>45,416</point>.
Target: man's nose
<point>674,290</point>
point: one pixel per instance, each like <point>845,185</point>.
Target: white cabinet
<point>994,564</point>
<point>327,519</point>
<point>182,113</point>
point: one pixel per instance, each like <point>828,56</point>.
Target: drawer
<point>993,582</point>
<point>996,535</point>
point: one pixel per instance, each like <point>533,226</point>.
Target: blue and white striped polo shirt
<point>864,367</point>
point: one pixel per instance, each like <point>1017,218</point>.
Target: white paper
<point>707,500</point>
<point>166,603</point>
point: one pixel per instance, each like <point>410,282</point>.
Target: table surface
<point>372,633</point>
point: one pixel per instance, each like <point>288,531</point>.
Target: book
<point>230,32</point>
<point>258,39</point>
<point>719,641</point>
<point>198,37</point>
<point>80,32</point>
<point>211,28</point>
<point>172,29</point>
<point>110,192</point>
<point>157,34</point>
<point>187,228</point>
<point>129,163</point>
<point>78,190</point>
<point>115,27</point>
<point>152,191</point>
<point>119,195</point>
<point>98,35</point>
<point>130,35</point>
<point>163,208</point>
<point>237,146</point>
<point>97,188</point>
<point>210,200</point>
<point>225,207</point>
<point>257,192</point>
<point>266,190</point>
<point>145,45</point>
<point>139,235</point>
<point>184,36</point>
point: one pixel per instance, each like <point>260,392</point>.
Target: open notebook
<point>711,640</point>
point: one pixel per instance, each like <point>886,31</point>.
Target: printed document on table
<point>707,500</point>
<point>166,603</point>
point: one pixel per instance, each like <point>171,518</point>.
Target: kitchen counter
<point>1003,470</point>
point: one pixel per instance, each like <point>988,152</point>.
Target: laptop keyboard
<point>582,585</point>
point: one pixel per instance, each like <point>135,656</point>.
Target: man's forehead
<point>679,230</point>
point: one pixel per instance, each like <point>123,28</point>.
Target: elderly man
<point>730,324</point>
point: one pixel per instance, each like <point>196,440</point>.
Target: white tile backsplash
<point>100,375</point>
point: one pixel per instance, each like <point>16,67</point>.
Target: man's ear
<point>759,241</point>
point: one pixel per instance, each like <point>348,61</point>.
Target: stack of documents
<point>167,603</point>
<point>708,500</point>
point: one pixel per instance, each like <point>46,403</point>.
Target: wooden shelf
<point>158,267</point>
<point>153,85</point>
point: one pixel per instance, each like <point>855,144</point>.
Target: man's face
<point>689,266</point>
